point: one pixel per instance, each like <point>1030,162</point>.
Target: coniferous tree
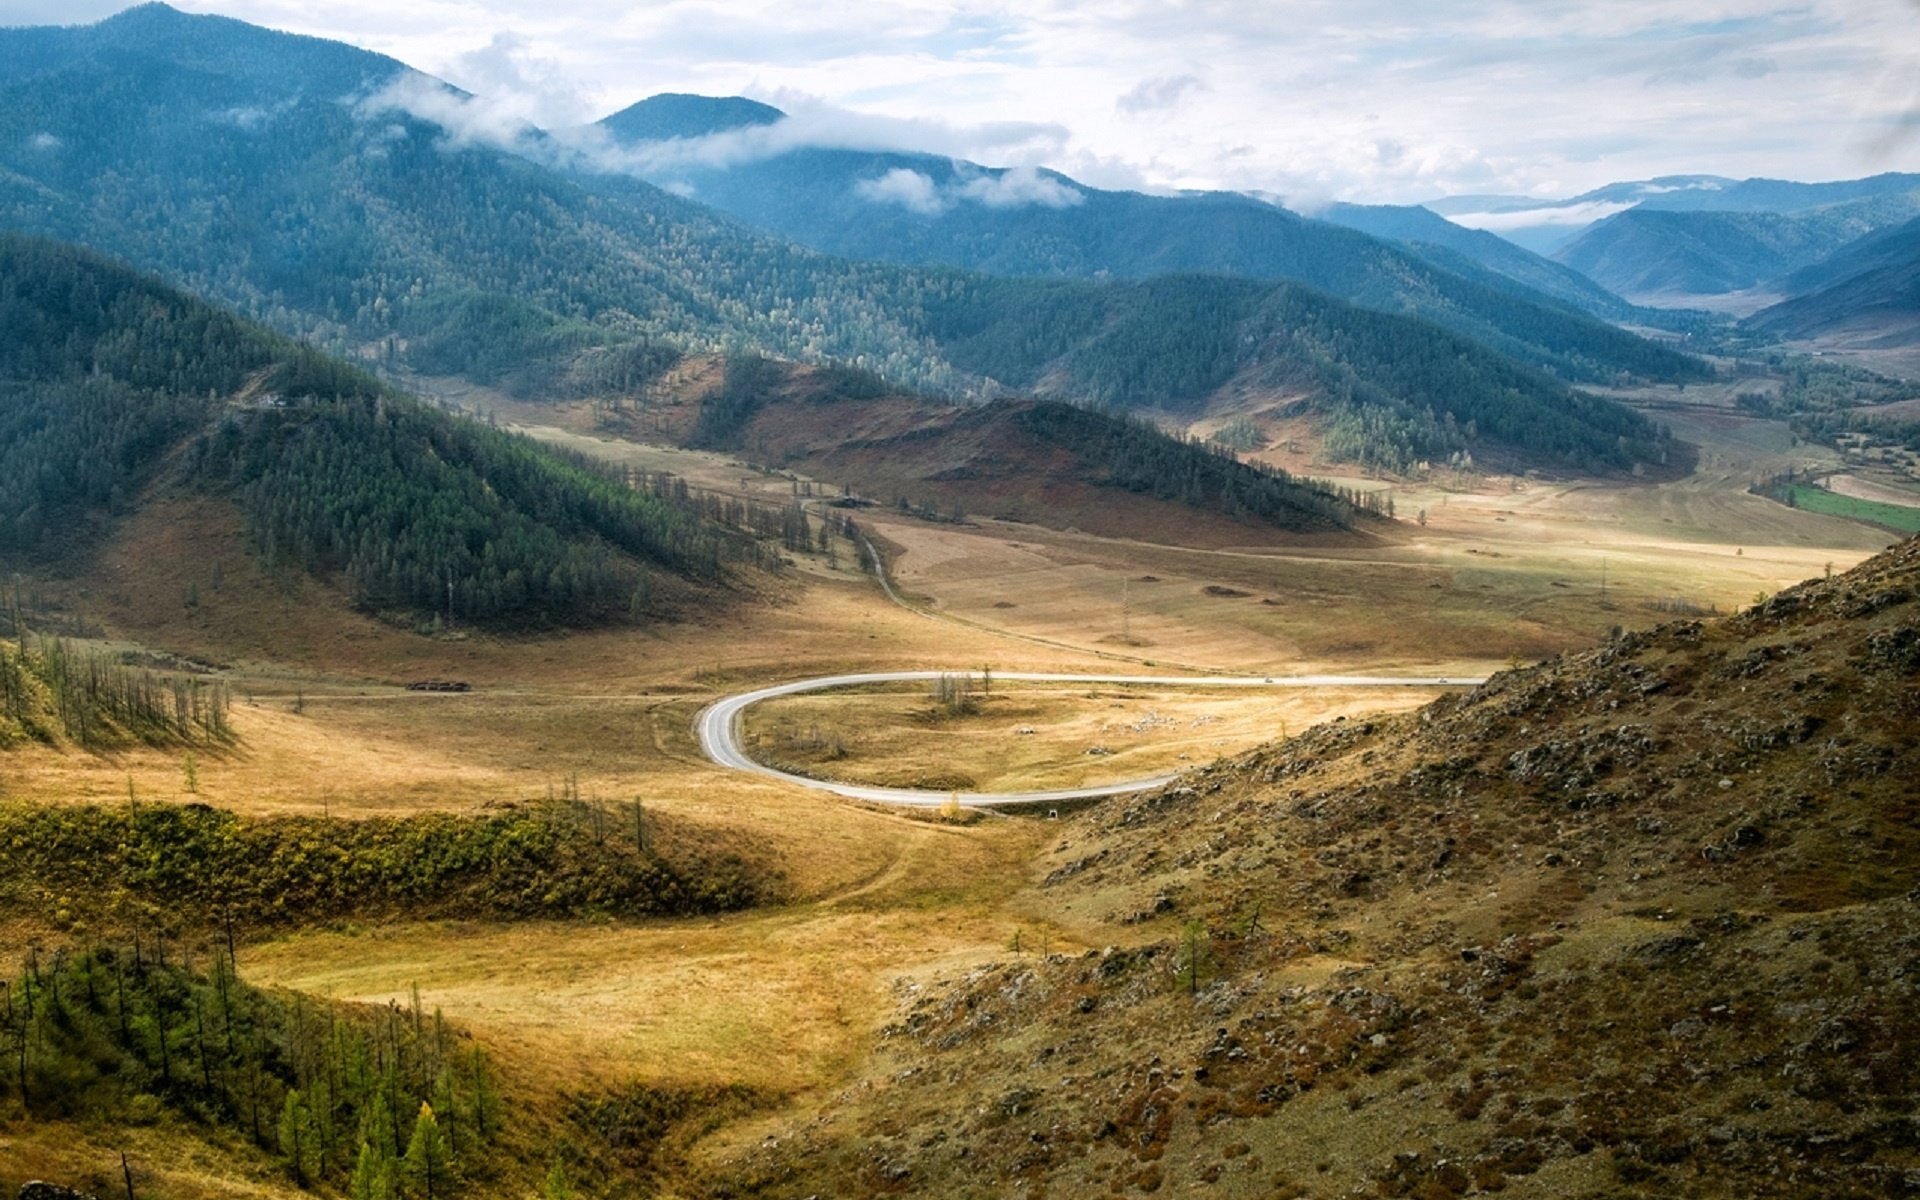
<point>428,1166</point>
<point>299,1139</point>
<point>373,1175</point>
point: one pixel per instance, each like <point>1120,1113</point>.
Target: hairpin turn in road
<point>718,727</point>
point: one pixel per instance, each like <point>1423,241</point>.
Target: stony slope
<point>1639,921</point>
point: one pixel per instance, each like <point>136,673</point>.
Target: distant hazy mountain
<point>678,115</point>
<point>228,158</point>
<point>1646,252</point>
<point>924,209</point>
<point>1447,245</point>
<point>1549,225</point>
<point>1871,286</point>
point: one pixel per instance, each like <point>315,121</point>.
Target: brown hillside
<point>978,459</point>
<point>1637,921</point>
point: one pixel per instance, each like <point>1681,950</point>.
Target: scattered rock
<point>40,1189</point>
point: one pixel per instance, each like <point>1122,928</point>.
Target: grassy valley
<point>393,511</point>
<point>606,1008</point>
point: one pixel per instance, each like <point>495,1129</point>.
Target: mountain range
<point>1548,225</point>
<point>1731,245</point>
<point>1670,241</point>
<point>924,209</point>
<point>336,195</point>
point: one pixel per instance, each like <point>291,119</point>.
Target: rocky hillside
<point>1638,921</point>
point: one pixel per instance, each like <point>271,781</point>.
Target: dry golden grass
<point>1506,567</point>
<point>787,999</point>
<point>783,1000</point>
<point>1028,737</point>
<point>168,1158</point>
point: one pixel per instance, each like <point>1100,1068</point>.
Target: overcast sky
<point>1379,100</point>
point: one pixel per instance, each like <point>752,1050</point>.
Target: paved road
<point>718,727</point>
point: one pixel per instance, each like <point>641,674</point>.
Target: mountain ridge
<point>122,384</point>
<point>1870,287</point>
<point>922,209</point>
<point>382,236</point>
<point>1565,220</point>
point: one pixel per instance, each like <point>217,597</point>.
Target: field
<point>1029,737</point>
<point>785,999</point>
<point>1901,517</point>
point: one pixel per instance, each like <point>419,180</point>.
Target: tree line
<point>52,689</point>
<point>1135,454</point>
<point>172,867</point>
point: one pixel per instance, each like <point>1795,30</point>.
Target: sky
<point>1382,101</point>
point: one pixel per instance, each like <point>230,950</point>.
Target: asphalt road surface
<point>718,727</point>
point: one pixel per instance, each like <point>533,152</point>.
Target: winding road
<point>718,727</point>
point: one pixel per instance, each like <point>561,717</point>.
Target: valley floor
<point>786,999</point>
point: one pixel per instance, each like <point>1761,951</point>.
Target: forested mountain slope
<point>924,209</point>
<point>1391,390</point>
<point>1646,251</point>
<point>1431,235</point>
<point>1635,922</point>
<point>1869,286</point>
<point>116,381</point>
<point>1042,462</point>
<point>178,143</point>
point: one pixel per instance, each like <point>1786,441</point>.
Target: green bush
<point>182,867</point>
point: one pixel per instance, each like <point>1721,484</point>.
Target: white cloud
<point>1019,186</point>
<point>1355,99</point>
<point>44,141</point>
<point>910,189</point>
<point>466,119</point>
<point>813,123</point>
<point>513,77</point>
<point>1161,92</point>
<point>1570,215</point>
<point>917,191</point>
